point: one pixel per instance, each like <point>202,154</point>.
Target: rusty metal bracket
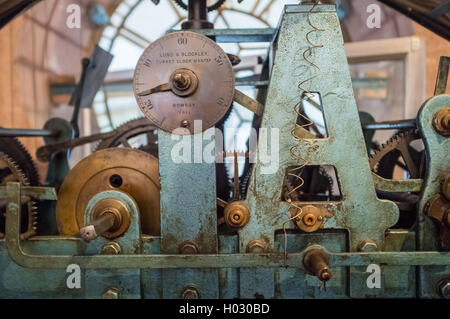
<point>265,260</point>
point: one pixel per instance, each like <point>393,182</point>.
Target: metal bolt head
<point>111,293</point>
<point>256,246</point>
<point>189,247</point>
<point>367,245</point>
<point>111,248</point>
<point>190,292</point>
<point>444,289</point>
<point>185,124</point>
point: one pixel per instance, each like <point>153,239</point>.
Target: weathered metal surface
<point>438,166</point>
<point>391,185</point>
<point>360,212</point>
<point>188,212</point>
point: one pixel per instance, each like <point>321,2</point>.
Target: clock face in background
<point>191,79</point>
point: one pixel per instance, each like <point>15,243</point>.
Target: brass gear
<point>128,170</point>
<point>399,142</point>
<point>16,175</point>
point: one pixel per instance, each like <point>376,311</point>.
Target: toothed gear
<point>212,7</point>
<point>11,172</point>
<point>19,154</point>
<point>399,142</point>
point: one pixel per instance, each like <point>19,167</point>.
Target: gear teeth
<point>20,177</point>
<point>390,145</point>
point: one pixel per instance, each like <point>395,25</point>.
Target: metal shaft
<point>391,125</point>
<point>98,227</point>
<point>23,132</point>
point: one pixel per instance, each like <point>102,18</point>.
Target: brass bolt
<point>367,245</point>
<point>111,248</point>
<point>189,247</point>
<point>444,289</point>
<point>111,293</point>
<point>236,215</point>
<point>256,246</point>
<point>441,121</point>
<point>190,292</point>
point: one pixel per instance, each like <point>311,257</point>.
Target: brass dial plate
<point>167,107</point>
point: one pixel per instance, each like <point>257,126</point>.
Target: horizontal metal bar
<point>36,192</point>
<point>237,35</point>
<point>24,132</point>
<point>267,260</point>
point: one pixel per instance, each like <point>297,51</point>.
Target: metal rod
<point>24,132</point>
<point>391,125</point>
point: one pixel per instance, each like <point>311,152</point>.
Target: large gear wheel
<point>398,145</point>
<point>212,7</point>
<point>127,170</point>
<point>11,172</point>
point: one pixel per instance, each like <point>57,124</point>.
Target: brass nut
<point>309,219</point>
<point>441,121</point>
<point>446,187</point>
<point>111,293</point>
<point>190,292</point>
<point>236,215</point>
<point>367,245</point>
<point>111,248</point>
<point>256,246</point>
<point>189,247</point>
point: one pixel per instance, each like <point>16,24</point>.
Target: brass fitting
<point>257,246</point>
<point>316,263</point>
<point>441,121</point>
<point>236,215</point>
<point>111,248</point>
<point>367,245</point>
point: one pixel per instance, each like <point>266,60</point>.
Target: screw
<point>111,293</point>
<point>190,292</point>
<point>367,245</point>
<point>111,248</point>
<point>444,289</point>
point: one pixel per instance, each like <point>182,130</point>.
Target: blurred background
<point>391,77</point>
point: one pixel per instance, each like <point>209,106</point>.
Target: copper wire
<point>306,95</point>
